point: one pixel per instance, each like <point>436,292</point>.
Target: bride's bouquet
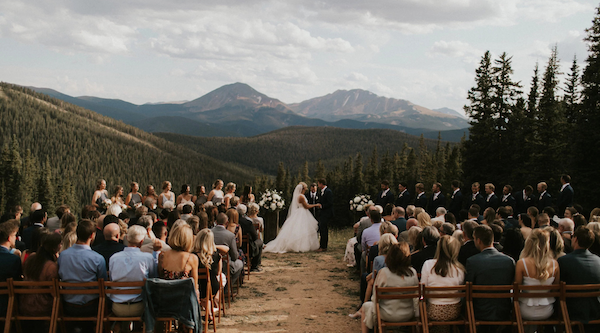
<point>359,202</point>
<point>271,200</point>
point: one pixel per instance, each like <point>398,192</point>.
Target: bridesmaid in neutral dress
<point>216,195</point>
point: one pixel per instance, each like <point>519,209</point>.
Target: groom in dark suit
<point>385,196</point>
<point>325,198</point>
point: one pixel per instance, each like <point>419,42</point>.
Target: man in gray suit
<point>226,237</point>
<point>581,267</point>
<point>490,267</point>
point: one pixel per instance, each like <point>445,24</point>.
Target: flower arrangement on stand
<point>272,202</point>
<point>358,203</point>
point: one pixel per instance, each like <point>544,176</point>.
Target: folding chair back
<point>5,291</point>
<point>430,293</point>
<point>521,293</point>
<point>246,246</point>
<point>397,293</point>
<point>208,303</point>
<point>81,288</point>
<point>228,289</point>
<point>123,288</point>
<point>578,291</point>
<point>34,288</point>
<point>490,292</point>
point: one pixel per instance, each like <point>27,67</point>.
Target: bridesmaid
<point>216,195</point>
<point>230,189</point>
<point>185,198</point>
<point>150,194</point>
<point>247,196</point>
<point>100,196</point>
<point>118,197</point>
<point>166,196</point>
<point>134,198</point>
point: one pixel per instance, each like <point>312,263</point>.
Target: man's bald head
<point>35,206</point>
<point>411,223</point>
<point>112,231</point>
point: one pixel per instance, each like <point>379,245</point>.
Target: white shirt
<point>131,265</point>
<point>563,187</point>
<point>455,277</point>
<point>505,197</point>
<point>385,192</point>
<point>475,195</point>
<point>454,193</point>
<point>435,195</point>
<point>420,194</point>
<point>323,190</point>
<point>401,194</point>
<point>542,195</point>
<point>489,196</point>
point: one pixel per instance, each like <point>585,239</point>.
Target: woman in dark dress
<point>208,256</point>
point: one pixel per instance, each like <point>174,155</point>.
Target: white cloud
<point>455,49</point>
<point>357,77</point>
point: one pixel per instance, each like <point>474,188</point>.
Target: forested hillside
<point>295,145</point>
<point>59,150</point>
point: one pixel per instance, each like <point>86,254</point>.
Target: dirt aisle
<point>298,292</point>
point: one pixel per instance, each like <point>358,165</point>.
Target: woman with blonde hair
<point>117,198</point>
<point>424,219</point>
<point>444,270</point>
<point>166,199</point>
<point>257,221</point>
<point>537,267</point>
<point>216,194</point>
<point>179,263</point>
<point>134,198</point>
<point>205,249</point>
<point>413,233</point>
<point>489,215</point>
<point>230,193</point>
<point>100,197</point>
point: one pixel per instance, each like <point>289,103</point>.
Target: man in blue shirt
<point>80,264</point>
<point>10,264</point>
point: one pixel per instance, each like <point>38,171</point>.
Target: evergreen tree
<point>572,96</point>
<point>45,187</point>
<point>534,91</point>
<point>281,177</point>
<point>305,177</point>
<point>288,186</point>
<point>65,194</point>
<point>29,180</point>
<point>372,173</point>
<point>12,175</point>
<point>386,170</point>
<point>586,134</point>
<point>411,167</point>
<point>320,171</point>
<point>422,161</point>
<point>359,179</point>
<point>481,111</point>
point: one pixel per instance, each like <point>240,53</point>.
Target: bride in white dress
<point>299,231</point>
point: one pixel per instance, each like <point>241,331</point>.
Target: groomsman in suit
<point>581,267</point>
<point>421,198</point>
<point>491,199</point>
<point>476,198</point>
<point>311,198</point>
<point>490,267</point>
<point>456,200</point>
<point>544,200</point>
<point>385,196</point>
<point>325,198</point>
<point>437,199</point>
<point>507,198</point>
<point>565,198</point>
<point>403,198</point>
<point>524,199</point>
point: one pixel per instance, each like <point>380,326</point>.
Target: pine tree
<point>386,170</point>
<point>12,176</point>
<point>372,173</point>
<point>45,187</point>
<point>29,180</point>
<point>411,167</point>
<point>65,194</point>
<point>572,96</point>
<point>359,179</point>
<point>422,161</point>
<point>534,91</point>
<point>320,171</point>
<point>281,177</point>
<point>305,177</point>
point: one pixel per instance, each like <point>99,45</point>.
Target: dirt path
<point>298,292</point>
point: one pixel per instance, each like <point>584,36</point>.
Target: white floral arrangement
<point>106,203</point>
<point>359,202</point>
<point>272,200</point>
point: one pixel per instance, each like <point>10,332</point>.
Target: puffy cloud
<point>455,49</point>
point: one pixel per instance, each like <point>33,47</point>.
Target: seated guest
<point>257,221</point>
<point>595,248</point>
<point>370,236</point>
<point>423,219</point>
<point>498,232</point>
<point>468,249</point>
<point>397,273</point>
<point>565,228</point>
<point>131,265</point>
<point>234,227</point>
<point>490,267</point>
<point>186,212</point>
<point>410,223</point>
<point>444,270</point>
<point>387,212</point>
<point>557,245</point>
<point>399,221</point>
<point>489,215</point>
<point>178,262</point>
<point>543,220</point>
<point>537,267</point>
<point>430,237</point>
<point>447,229</point>
<point>65,220</point>
<point>414,238</point>
<point>581,267</point>
<point>533,213</point>
<point>160,232</point>
<point>458,234</point>
<point>10,263</point>
<point>41,266</point>
<point>256,244</point>
<point>205,249</point>
<point>111,244</point>
<point>194,222</point>
<point>525,224</point>
<point>53,223</point>
<point>513,243</point>
<point>38,220</point>
<point>80,263</point>
<point>440,215</point>
<point>225,237</point>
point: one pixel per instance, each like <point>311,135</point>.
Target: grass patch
<point>280,289</point>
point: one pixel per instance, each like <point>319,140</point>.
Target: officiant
<point>311,198</point>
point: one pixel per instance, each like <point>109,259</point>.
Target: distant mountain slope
<point>450,112</point>
<point>294,145</point>
<point>235,94</point>
<point>182,125</point>
<point>363,105</point>
<point>84,146</point>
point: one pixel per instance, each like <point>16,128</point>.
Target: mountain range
<point>238,110</point>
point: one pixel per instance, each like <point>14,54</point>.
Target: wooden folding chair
<point>368,265</point>
<point>209,302</point>
<point>555,291</point>
<point>444,292</point>
<point>389,293</point>
<point>246,245</point>
<point>228,290</point>
<point>122,288</point>
<point>81,288</point>
<point>494,292</point>
<point>32,288</point>
<point>6,290</point>
<point>578,291</point>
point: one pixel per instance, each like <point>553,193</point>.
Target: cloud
<point>455,49</point>
<point>356,77</point>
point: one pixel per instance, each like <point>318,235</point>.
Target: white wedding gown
<point>299,231</point>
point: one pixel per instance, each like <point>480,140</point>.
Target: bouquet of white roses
<point>359,202</point>
<point>106,203</point>
<point>271,200</point>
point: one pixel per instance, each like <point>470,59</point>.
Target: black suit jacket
<point>491,267</point>
<point>467,251</point>
<point>400,223</point>
<point>10,267</point>
<point>248,229</point>
<point>565,199</point>
<point>403,199</point>
<point>388,198</point>
<point>326,201</point>
<point>421,201</point>
<point>27,236</point>
<point>108,248</point>
<point>440,201</point>
<point>493,202</point>
<point>522,204</point>
<point>312,201</point>
<point>544,201</point>
<point>509,201</point>
<point>456,203</point>
<point>581,267</point>
<point>417,259</point>
<point>479,200</point>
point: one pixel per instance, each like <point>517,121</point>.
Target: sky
<point>424,51</point>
